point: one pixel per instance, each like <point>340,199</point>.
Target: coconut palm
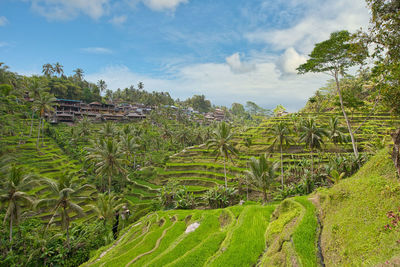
<point>47,69</point>
<point>221,142</point>
<point>129,146</point>
<point>262,173</point>
<point>14,183</point>
<point>108,130</point>
<point>58,68</point>
<point>312,136</point>
<point>78,74</point>
<point>335,132</point>
<point>44,103</point>
<point>107,157</point>
<point>102,85</point>
<point>66,193</point>
<point>280,135</point>
<point>107,206</point>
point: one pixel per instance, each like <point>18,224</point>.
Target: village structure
<point>68,110</point>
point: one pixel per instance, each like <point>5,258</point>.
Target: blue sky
<point>229,50</point>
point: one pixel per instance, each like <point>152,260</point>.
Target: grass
<point>305,235</point>
<point>246,245</point>
<point>355,215</point>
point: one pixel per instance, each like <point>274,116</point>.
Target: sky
<point>228,50</point>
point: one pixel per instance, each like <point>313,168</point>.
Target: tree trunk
<point>281,164</point>
<point>226,181</point>
<point>11,228</point>
<point>109,184</point>
<point>264,195</point>
<point>38,136</point>
<point>353,141</point>
<point>30,132</point>
<point>68,231</point>
<point>312,163</point>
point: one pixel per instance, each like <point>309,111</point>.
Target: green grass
<point>355,214</point>
<point>305,235</point>
<point>246,245</point>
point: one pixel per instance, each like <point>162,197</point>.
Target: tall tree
<point>107,206</point>
<point>140,86</point>
<point>78,74</point>
<point>280,135</point>
<point>44,103</point>
<point>107,157</point>
<point>14,185</point>
<point>221,142</point>
<point>334,56</point>
<point>66,193</point>
<point>312,136</point>
<point>384,34</point>
<point>262,173</point>
<point>58,68</point>
<point>47,69</point>
<point>102,85</point>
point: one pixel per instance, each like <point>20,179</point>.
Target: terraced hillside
<point>235,236</point>
<point>49,161</point>
<point>196,167</point>
<point>340,226</point>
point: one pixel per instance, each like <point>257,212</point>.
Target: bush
<point>221,197</point>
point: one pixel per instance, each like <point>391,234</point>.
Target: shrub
<point>221,197</point>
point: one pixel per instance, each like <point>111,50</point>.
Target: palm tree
<point>107,157</point>
<point>107,206</point>
<point>58,68</point>
<point>262,173</point>
<point>221,142</point>
<point>335,132</point>
<point>84,128</point>
<point>47,69</point>
<point>65,196</point>
<point>128,146</point>
<point>102,85</point>
<point>140,86</point>
<point>280,136</point>
<point>78,74</point>
<point>312,136</point>
<point>44,103</point>
<point>12,194</point>
<point>108,130</point>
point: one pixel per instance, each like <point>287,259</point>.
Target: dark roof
<point>68,100</point>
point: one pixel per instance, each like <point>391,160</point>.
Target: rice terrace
<point>200,133</point>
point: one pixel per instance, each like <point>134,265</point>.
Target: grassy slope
<point>354,215</point>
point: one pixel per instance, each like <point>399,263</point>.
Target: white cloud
<point>322,18</point>
<point>223,87</point>
<point>118,20</point>
<point>162,5</point>
<point>237,66</point>
<point>289,61</point>
<point>68,9</point>
<point>3,21</point>
<point>97,50</point>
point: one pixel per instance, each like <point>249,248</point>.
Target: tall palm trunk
<point>109,184</point>
<point>38,136</point>
<point>226,181</point>
<point>353,141</point>
<point>281,164</point>
<point>67,225</point>
<point>312,163</point>
<point>11,228</point>
<point>30,132</point>
<point>264,195</point>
